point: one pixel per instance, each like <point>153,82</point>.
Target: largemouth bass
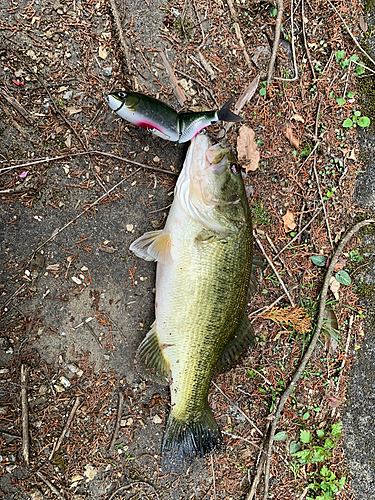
<point>204,264</point>
<point>162,120</point>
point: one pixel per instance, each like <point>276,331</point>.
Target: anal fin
<point>150,355</point>
<point>242,338</point>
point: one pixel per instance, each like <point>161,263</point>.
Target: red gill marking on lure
<point>149,125</point>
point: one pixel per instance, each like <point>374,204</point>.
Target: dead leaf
<point>106,249</point>
<point>362,23</point>
<point>298,118</point>
<point>73,110</point>
<point>103,54</point>
<point>334,286</point>
<point>247,148</point>
<point>340,265</point>
<point>291,138</point>
<point>333,402</point>
<point>289,223</point>
<point>330,330</point>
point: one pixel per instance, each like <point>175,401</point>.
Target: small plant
<point>325,484</point>
<point>355,256</point>
<point>361,121</point>
<point>263,89</point>
<point>260,214</point>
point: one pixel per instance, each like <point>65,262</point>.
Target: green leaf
<point>348,123</point>
<point>329,444</point>
<point>354,58</point>
<point>344,64</point>
<point>342,482</point>
<point>364,121</point>
<point>305,436</point>
<point>324,471</point>
<point>340,101</point>
<point>281,436</point>
<point>336,429</point>
<point>340,54</point>
<point>273,12</point>
<point>318,454</point>
<point>357,113</point>
<point>294,447</point>
<point>320,433</point>
<point>303,456</point>
<point>350,95</point>
<point>305,416</point>
<point>359,70</point>
<point>318,260</point>
<point>262,91</point>
<point>343,278</point>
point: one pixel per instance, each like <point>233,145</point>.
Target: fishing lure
<point>162,120</point>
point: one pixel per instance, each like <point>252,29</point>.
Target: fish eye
<point>235,168</point>
<point>122,94</point>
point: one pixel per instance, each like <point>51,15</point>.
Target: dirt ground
<point>75,303</point>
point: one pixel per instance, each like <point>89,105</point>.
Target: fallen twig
<point>305,40</point>
<point>178,92</point>
<point>123,42</point>
<point>54,490</point>
<point>25,414</point>
<point>280,10</point>
<point>293,48</point>
<point>59,230</point>
<point>17,106</point>
<point>82,153</point>
<point>317,177</point>
<point>57,445</point>
<point>117,426</point>
<point>238,32</point>
<point>274,269</point>
<point>213,477</point>
<point>309,351</point>
<point>239,409</point>
<point>130,485</point>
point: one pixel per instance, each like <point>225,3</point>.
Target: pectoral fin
<point>242,338</point>
<point>154,246</point>
<point>150,355</point>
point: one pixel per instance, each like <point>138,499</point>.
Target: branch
<point>311,347</point>
<point>280,10</point>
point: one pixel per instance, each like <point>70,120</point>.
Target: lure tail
<point>226,115</point>
<point>185,440</point>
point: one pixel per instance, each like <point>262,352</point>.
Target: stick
<point>117,426</point>
<point>59,230</point>
<point>50,485</point>
<point>311,347</point>
<point>238,32</point>
<point>94,152</point>
<point>57,445</point>
<point>178,92</point>
<point>293,48</point>
<point>317,177</point>
<point>213,476</point>
<point>130,485</point>
<point>17,106</point>
<point>305,41</point>
<point>280,10</point>
<point>25,414</point>
<point>239,409</point>
<point>274,270</point>
<point>124,45</point>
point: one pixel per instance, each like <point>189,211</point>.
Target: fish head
<point>211,186</point>
<point>116,100</point>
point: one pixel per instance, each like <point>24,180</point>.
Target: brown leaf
<point>247,148</point>
<point>331,329</point>
<point>291,138</point>
<point>298,118</point>
<point>334,286</point>
<point>289,223</point>
<point>362,23</point>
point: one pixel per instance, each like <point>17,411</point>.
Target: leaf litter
<point>282,183</point>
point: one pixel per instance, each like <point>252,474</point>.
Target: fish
<point>162,120</point>
<point>204,268</point>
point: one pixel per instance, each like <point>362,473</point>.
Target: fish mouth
<point>114,102</point>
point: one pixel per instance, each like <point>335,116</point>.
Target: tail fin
<point>185,440</point>
<point>226,115</point>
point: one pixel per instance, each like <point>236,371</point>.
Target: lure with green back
<point>162,120</point>
<point>204,264</point>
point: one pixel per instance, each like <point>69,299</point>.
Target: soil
<point>76,303</point>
